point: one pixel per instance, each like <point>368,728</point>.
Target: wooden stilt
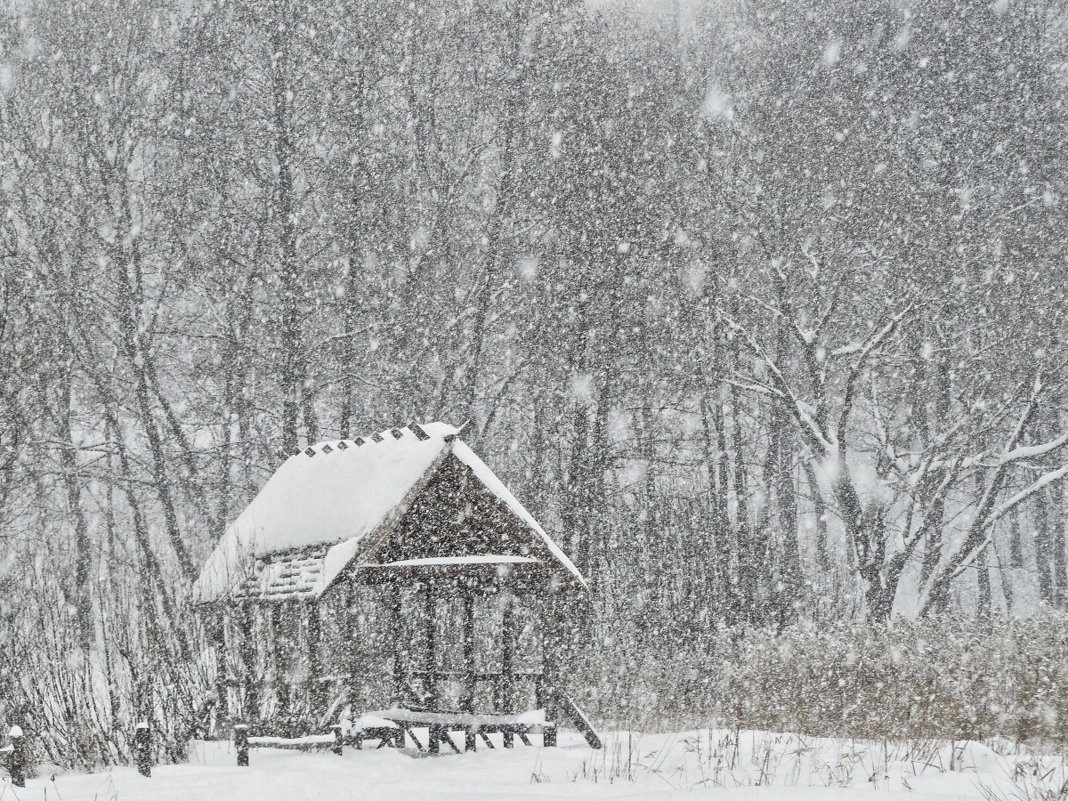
<point>143,748</point>
<point>241,744</point>
<point>467,703</point>
<point>316,690</point>
<point>429,656</point>
<point>222,665</point>
<point>350,649</point>
<point>397,615</point>
<point>549,636</point>
<point>507,659</point>
<point>281,639</point>
<point>245,619</point>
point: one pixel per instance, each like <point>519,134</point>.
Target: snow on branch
<point>1032,451</point>
<point>802,412</point>
<point>1042,481</point>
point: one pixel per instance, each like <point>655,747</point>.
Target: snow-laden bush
<point>947,677</point>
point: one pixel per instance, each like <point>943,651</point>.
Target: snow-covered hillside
<point>692,765</point>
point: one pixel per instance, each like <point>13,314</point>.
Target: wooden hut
<point>410,521</point>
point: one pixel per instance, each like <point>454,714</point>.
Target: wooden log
<point>470,740</point>
<point>433,738</point>
<point>337,739</point>
<point>293,743</point>
<point>18,759</point>
<point>241,744</point>
<point>143,748</point>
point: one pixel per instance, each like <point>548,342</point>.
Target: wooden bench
<point>440,725</point>
<point>389,727</point>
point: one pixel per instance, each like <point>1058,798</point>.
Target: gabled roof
<point>323,506</point>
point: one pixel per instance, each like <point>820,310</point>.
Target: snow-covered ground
<point>692,765</point>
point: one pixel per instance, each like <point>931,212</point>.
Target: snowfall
<point>708,764</point>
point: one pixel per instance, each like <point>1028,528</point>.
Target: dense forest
<point>758,305</point>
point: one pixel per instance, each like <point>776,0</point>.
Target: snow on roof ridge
<point>430,430</point>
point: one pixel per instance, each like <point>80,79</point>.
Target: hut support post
<point>350,649</point>
<point>222,665</point>
<point>549,662</point>
<point>467,704</point>
<point>507,659</point>
<point>280,639</point>
<point>316,693</point>
<point>429,661</point>
<point>396,604</point>
<point>430,695</point>
<point>245,617</point>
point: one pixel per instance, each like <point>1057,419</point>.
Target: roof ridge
<point>418,430</point>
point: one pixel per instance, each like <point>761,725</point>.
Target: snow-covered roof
<point>314,515</point>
